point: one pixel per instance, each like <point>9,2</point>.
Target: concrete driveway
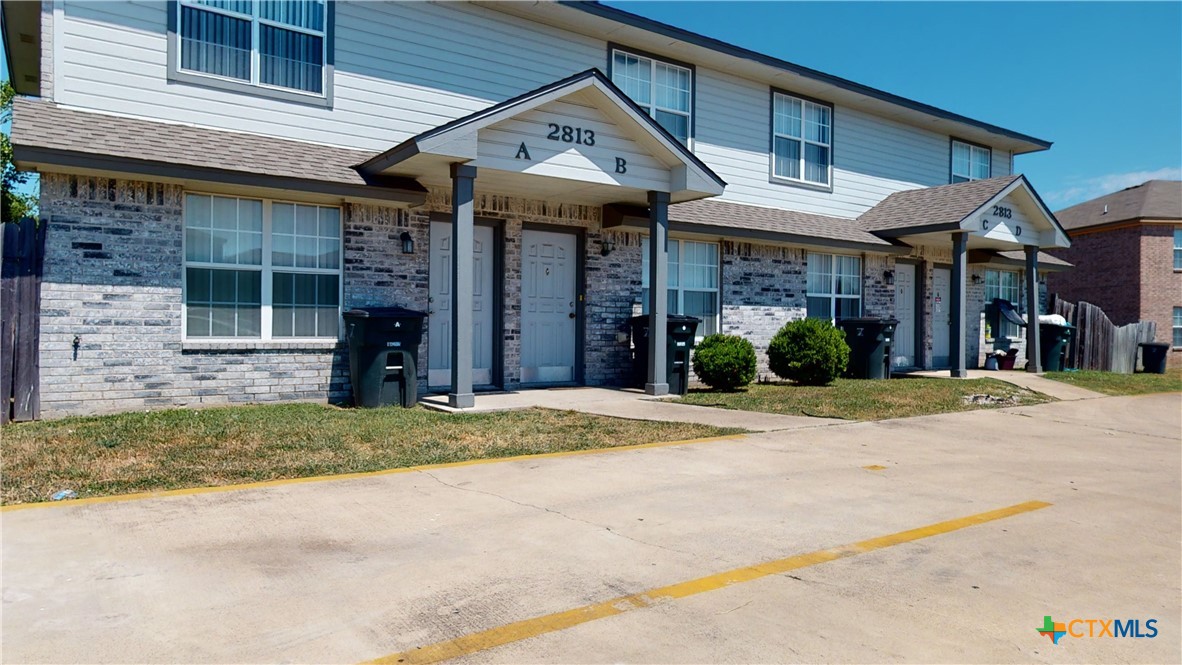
<point>764,548</point>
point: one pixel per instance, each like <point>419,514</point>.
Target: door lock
<point>571,315</point>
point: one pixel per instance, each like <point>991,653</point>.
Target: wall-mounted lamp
<point>408,243</point>
<point>607,246</point>
<point>976,279</point>
<point>888,276</point>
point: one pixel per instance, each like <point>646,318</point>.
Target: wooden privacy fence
<point>20,327</point>
<point>1097,343</point>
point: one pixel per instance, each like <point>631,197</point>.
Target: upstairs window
<point>802,139</point>
<point>662,89</point>
<point>1178,248</point>
<point>970,162</point>
<point>268,43</point>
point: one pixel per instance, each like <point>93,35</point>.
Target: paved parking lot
<point>629,556</point>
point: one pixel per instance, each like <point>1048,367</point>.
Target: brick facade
<point>1161,285</point>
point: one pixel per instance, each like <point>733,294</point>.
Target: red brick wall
<point>1106,272</point>
<point>1161,287</point>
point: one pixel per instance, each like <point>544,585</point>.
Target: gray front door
<point>941,316</point>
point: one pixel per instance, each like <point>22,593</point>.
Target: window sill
<point>802,184</point>
<point>259,345</point>
<point>230,85</point>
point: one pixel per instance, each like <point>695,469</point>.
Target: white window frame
<point>255,57</point>
<point>974,149</point>
<point>266,314</point>
<point>1175,328</point>
<point>832,295</point>
<point>681,290</point>
<point>1011,330</point>
<point>1178,249</point>
<point>804,104</point>
<point>652,81</point>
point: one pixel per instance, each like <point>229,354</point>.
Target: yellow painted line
<point>361,474</point>
<point>521,630</point>
<point>874,467</point>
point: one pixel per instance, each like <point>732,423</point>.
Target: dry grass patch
<point>854,399</point>
<point>1110,383</point>
<point>160,450</point>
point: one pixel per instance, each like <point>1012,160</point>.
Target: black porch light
<point>607,247</point>
<point>888,276</point>
<point>408,243</point>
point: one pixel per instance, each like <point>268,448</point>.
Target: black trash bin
<point>870,341</point>
<point>680,331</point>
<point>1153,356</point>
<point>1052,343</point>
<point>384,355</point>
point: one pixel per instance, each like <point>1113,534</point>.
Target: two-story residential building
<point>1127,249</point>
<point>222,178</point>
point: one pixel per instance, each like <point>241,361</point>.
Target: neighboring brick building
<point>1127,251</point>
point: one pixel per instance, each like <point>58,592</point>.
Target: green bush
<point>809,351</point>
<point>725,362</point>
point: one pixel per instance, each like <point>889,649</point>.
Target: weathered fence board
<point>1098,344</point>
<point>20,321</point>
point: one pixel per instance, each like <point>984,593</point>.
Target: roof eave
<point>22,45</point>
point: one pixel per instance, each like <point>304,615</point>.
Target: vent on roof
<point>1105,209</point>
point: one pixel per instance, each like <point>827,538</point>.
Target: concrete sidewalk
<point>1040,384</point>
<point>632,404</point>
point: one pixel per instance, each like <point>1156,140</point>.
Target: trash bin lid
<point>384,313</point>
<point>682,318</point>
<point>1009,312</point>
<point>1164,345</point>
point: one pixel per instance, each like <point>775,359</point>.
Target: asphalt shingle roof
<point>1154,199</point>
<point>42,124</point>
<point>774,220</point>
<point>946,204</point>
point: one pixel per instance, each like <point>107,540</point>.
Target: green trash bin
<point>384,355</point>
<point>869,339</point>
<point>1052,341</point>
<point>1153,356</point>
<point>680,332</point>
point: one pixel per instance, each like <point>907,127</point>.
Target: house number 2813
<point>1003,212</point>
<point>568,134</point>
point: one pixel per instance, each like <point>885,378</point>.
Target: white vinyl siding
<point>260,269</point>
<point>693,282</point>
<point>802,140</point>
<point>262,43</point>
<point>834,286</point>
<point>970,162</point>
<point>662,89</point>
<point>1006,285</point>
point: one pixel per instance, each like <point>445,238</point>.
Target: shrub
<point>725,362</point>
<point>809,351</point>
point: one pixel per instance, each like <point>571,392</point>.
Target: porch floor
<point>1056,389</point>
<point>628,403</point>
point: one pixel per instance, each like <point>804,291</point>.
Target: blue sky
<point>1102,80</point>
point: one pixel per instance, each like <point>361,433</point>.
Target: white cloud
<point>1090,188</point>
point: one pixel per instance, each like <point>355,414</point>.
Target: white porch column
<point>462,185</point>
<point>658,289</point>
<point>956,314</point>
<point>1033,347</point>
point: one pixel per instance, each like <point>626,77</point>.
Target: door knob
<point>571,315</point>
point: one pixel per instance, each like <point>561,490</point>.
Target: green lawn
<point>136,452</point>
<point>1122,384</point>
<point>868,400</point>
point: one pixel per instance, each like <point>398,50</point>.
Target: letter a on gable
<point>523,151</point>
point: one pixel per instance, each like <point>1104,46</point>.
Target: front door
<point>941,317</point>
<point>548,311</point>
<point>439,322</point>
<point>903,347</point>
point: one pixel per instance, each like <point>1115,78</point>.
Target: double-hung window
<point>834,286</point>
<point>662,89</point>
<point>258,269</point>
<point>693,281</point>
<point>802,140</point>
<point>1177,327</point>
<point>279,44</point>
<point>970,162</point>
<point>1006,285</point>
<point>1178,248</point>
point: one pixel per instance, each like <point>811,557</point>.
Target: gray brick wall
<point>763,287</point>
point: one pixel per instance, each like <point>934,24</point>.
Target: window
<point>802,136</point>
<point>1178,248</point>
<point>268,43</point>
<point>834,286</point>
<point>1178,326</point>
<point>693,281</point>
<point>970,162</point>
<point>1004,284</point>
<point>662,89</point>
<point>261,269</point>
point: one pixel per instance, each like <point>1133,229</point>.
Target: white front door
<point>548,268</point>
<point>941,316</point>
<point>483,285</point>
<point>903,347</point>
